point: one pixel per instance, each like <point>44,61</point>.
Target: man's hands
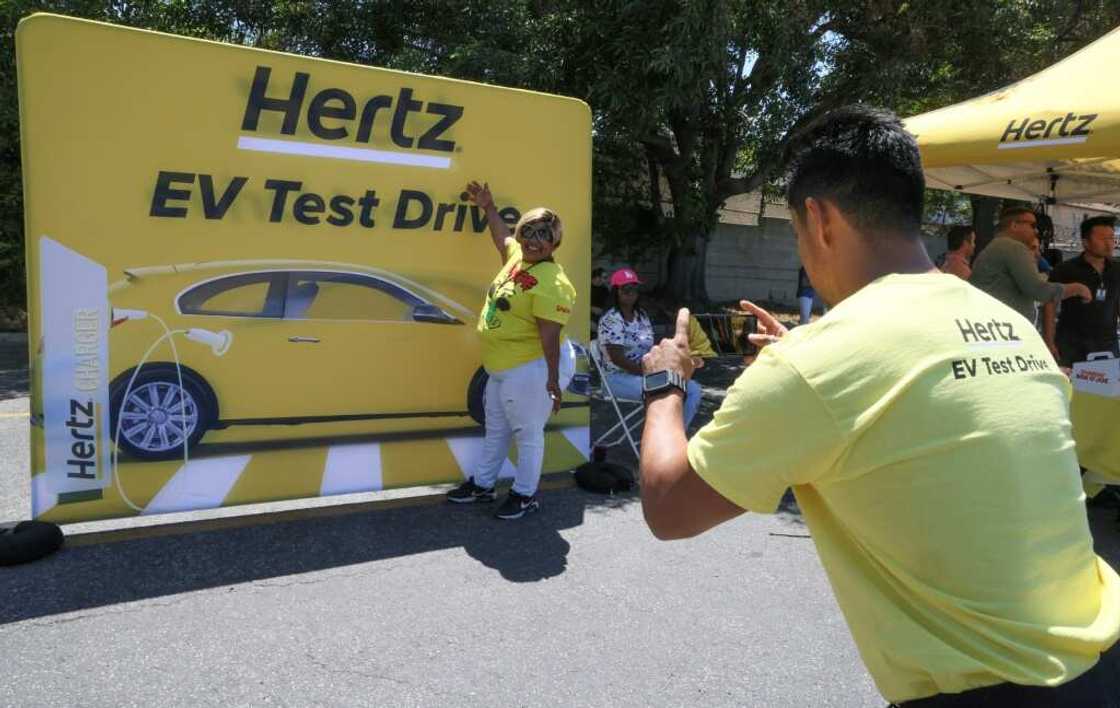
<point>676,502</point>
<point>672,354</point>
<point>1076,290</point>
<point>769,331</point>
<point>480,194</point>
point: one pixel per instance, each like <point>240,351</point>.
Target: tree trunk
<point>698,296</point>
<point>676,285</point>
<point>686,285</point>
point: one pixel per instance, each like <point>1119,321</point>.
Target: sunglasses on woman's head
<point>629,289</point>
<point>536,231</point>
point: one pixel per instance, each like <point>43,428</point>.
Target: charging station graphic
<point>254,276</point>
<point>74,369</point>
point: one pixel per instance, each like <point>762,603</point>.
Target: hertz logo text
<point>332,112</point>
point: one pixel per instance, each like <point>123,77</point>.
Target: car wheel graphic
<point>157,415</point>
<point>476,396</point>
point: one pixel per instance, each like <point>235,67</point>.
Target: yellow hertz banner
<point>255,276</point>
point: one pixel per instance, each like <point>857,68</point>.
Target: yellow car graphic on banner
<point>233,253</point>
<point>299,340</point>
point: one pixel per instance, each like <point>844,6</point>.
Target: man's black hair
<point>598,272</point>
<point>863,161</point>
<point>957,236</point>
<point>1088,225</point>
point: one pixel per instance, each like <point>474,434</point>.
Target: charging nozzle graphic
<point>121,314</point>
<point>217,341</point>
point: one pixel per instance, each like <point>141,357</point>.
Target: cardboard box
<point>1099,375</point>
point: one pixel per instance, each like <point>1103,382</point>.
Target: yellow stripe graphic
<point>559,453</point>
<point>295,473</point>
<point>418,462</point>
<point>280,474</point>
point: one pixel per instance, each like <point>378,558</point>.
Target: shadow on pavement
<point>14,379</point>
<point>13,384</point>
<point>97,575</point>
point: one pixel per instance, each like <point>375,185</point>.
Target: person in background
<point>521,326</point>
<point>805,296</point>
<point>625,335</point>
<point>961,242</point>
<point>938,479</point>
<point>1044,266</point>
<point>1084,328</point>
<point>1043,269</point>
<point>1008,271</point>
<point>600,297</point>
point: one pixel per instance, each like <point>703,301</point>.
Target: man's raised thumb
<point>682,325</point>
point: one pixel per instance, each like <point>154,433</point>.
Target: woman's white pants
<point>517,408</point>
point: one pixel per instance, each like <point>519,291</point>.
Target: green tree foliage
<point>712,90</point>
<point>692,100</point>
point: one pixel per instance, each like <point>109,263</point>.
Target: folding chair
<point>627,423</point>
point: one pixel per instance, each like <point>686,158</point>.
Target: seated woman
<point>625,335</point>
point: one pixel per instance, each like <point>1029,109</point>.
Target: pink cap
<point>624,276</point>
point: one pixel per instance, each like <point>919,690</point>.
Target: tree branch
<point>1063,36</point>
<point>655,196</point>
<point>684,133</point>
<point>661,147</point>
<point>739,78</point>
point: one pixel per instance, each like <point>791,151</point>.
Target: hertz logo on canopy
<point>1068,129</point>
<point>254,276</point>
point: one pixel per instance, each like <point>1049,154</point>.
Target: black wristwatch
<point>659,382</point>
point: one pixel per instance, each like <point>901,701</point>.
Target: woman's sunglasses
<point>536,231</point>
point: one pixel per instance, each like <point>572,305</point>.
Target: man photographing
<point>937,475</point>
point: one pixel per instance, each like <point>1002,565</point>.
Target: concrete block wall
<point>757,262</point>
<point>754,262</point>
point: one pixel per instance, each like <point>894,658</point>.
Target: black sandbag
<point>604,477</point>
<point>28,541</point>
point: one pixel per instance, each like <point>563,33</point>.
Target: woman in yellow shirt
<point>528,363</point>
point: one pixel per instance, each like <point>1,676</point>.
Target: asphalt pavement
<point>398,599</point>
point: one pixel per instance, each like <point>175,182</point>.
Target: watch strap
<point>674,381</point>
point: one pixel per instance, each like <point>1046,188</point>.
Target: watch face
<point>654,382</point>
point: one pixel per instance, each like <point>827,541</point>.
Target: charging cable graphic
<point>219,343</point>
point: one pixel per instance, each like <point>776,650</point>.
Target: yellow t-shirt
<point>924,428</point>
<point>520,293</point>
<point>698,342</point>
